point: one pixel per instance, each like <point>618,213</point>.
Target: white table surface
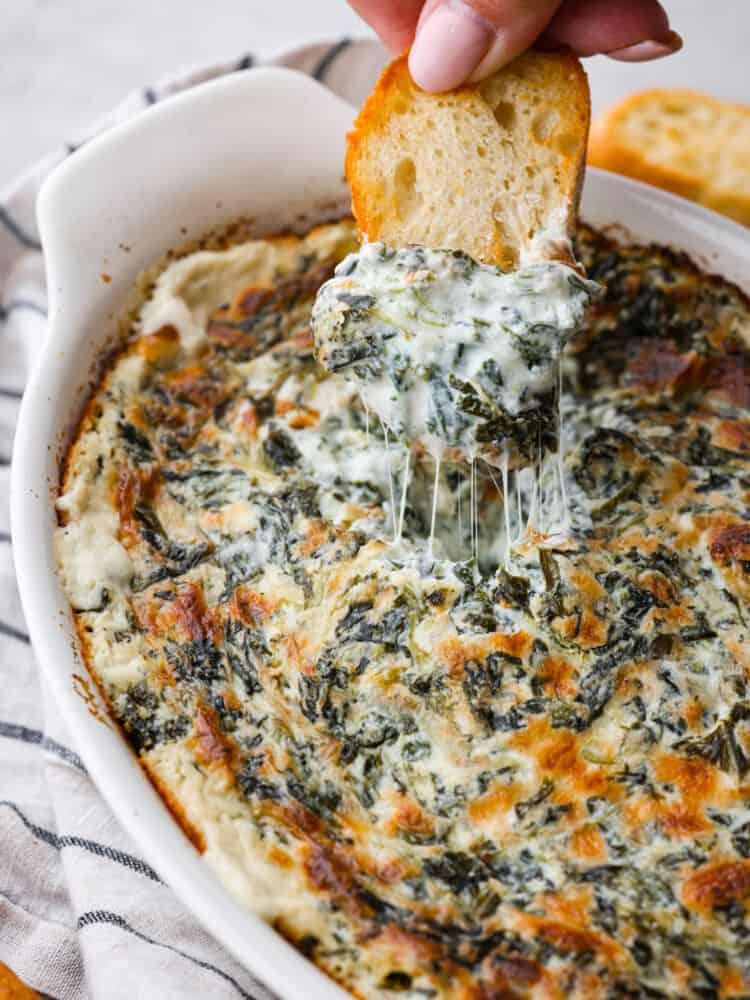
<point>65,62</point>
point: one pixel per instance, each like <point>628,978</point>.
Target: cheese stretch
<point>448,352</point>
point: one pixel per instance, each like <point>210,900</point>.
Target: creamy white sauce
<point>91,559</point>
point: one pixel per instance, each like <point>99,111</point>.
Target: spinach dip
<point>440,773</point>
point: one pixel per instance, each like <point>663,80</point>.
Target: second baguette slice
<point>686,142</point>
<point>482,169</point>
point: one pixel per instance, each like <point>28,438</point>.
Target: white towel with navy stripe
<point>82,915</point>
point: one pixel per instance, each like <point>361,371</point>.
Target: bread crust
<point>553,81</point>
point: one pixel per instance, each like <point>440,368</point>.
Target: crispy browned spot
<point>716,884</point>
<point>187,398</point>
<point>559,753</point>
<point>250,422</point>
<point>194,385</point>
<point>587,842</point>
<point>190,614</point>
<point>252,300</point>
<point>226,335</point>
<point>497,801</point>
<point>586,629</point>
<point>300,820</point>
<point>732,435</point>
<point>161,346</point>
<point>568,938</point>
<point>657,363</point>
<point>317,534</point>
<point>331,870</point>
<point>695,778</point>
<point>455,652</point>
<point>556,675</point>
<point>251,607</point>
<point>556,754</point>
<point>280,858</point>
<point>694,712</point>
<point>730,375</point>
<point>681,820</point>
<point>133,487</point>
<point>305,416</point>
<point>518,971</point>
<point>730,543</point>
<point>235,327</point>
<point>212,746</point>
<point>184,618</point>
<point>409,817</point>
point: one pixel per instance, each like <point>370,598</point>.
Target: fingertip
<point>648,49</point>
<point>590,27</point>
<point>459,42</point>
<point>450,43</point>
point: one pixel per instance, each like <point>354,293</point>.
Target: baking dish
<point>268,146</point>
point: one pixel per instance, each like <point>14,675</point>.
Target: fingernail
<point>449,46</point>
<point>648,49</point>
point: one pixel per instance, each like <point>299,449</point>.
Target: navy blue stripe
<point>115,920</point>
<point>12,731</point>
<point>20,234</point>
<point>149,95</point>
<point>330,57</point>
<point>11,393</point>
<point>11,631</point>
<point>4,537</point>
<point>246,62</point>
<point>8,307</point>
<point>59,841</point>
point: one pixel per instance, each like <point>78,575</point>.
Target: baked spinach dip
<point>437,779</point>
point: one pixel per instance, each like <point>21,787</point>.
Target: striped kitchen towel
<point>81,914</point>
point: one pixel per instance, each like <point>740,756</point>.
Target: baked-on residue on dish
<point>435,782</point>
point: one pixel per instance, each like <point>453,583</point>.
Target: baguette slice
<point>685,142</point>
<point>481,169</point>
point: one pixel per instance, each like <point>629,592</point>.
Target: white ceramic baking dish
<point>267,145</point>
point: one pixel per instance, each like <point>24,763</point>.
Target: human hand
<point>453,41</point>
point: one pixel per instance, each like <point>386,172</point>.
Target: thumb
<point>457,40</point>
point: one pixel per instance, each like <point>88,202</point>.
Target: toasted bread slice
<point>685,142</point>
<point>481,169</point>
<point>11,987</point>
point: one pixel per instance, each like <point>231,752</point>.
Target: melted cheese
<point>94,561</point>
<point>444,349</point>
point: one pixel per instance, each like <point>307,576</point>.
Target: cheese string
<point>565,521</point>
<point>435,490</point>
<point>459,489</point>
<point>390,478</point>
<point>539,491</point>
<point>404,490</point>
